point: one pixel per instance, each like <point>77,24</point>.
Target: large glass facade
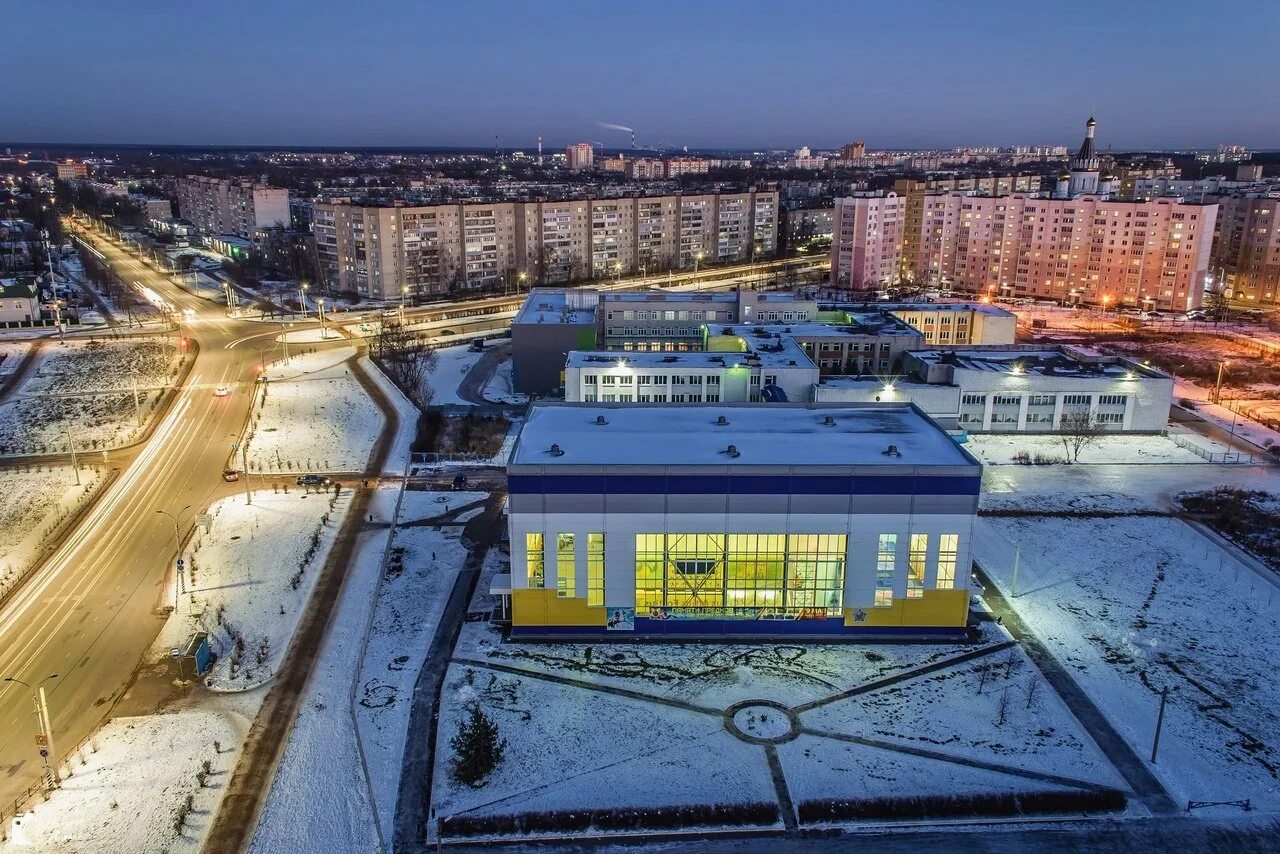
<point>740,575</point>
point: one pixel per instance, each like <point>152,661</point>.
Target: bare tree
<point>407,361</point>
<point>1002,707</point>
<point>1078,429</point>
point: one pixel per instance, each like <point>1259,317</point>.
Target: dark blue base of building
<point>751,631</point>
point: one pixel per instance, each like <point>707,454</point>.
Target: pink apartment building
<point>867,240</point>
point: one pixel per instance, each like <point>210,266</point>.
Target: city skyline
<point>736,76</point>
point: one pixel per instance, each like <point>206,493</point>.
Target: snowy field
<point>248,580</point>
<point>130,786</point>
<point>1135,605</point>
<point>600,726</point>
<point>315,417</point>
<point>452,366</point>
<point>320,799</point>
<point>11,356</point>
<point>36,504</point>
<point>1000,448</point>
<point>426,554</point>
<point>94,367</point>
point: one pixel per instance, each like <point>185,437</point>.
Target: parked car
<point>460,481</point>
<point>477,346</point>
<point>1151,315</point>
<point>1196,314</point>
<point>391,312</point>
<point>230,475</point>
<point>313,480</point>
<point>1251,315</point>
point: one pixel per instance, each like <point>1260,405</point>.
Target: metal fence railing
<point>1224,457</point>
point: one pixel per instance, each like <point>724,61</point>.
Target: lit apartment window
<point>886,560</point>
<point>564,565</point>
<point>948,548</point>
<point>535,563</point>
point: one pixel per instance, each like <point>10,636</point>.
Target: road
<point>92,610</point>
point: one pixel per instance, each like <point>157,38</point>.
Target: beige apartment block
<point>216,206</point>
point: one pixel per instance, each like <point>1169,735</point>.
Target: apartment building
<point>217,206</point>
<point>69,170</point>
<point>1087,249</point>
<point>867,241</point>
<point>853,151</point>
<point>646,169</point>
<point>379,251</point>
<point>1246,249</point>
<point>915,260</point>
<point>579,156</point>
<point>677,166</point>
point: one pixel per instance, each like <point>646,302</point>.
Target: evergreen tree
<point>477,749</point>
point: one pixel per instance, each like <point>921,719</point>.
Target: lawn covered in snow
<point>645,724</point>
<point>129,787</point>
<point>452,366</point>
<point>426,554</point>
<point>501,386</point>
<point>36,503</point>
<point>249,577</point>
<point>1134,605</point>
<point>312,414</point>
<point>102,366</point>
<point>1000,448</point>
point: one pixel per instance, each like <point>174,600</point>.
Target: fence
<point>1237,458</point>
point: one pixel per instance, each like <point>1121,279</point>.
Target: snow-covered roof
<point>761,435</point>
<point>1062,361</point>
<point>551,305</point>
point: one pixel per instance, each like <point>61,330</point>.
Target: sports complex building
<point>738,520</point>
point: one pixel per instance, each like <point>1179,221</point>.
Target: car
<point>1251,314</point>
<point>230,475</point>
<point>313,480</point>
<point>221,391</point>
<point>477,346</point>
<point>1150,315</point>
<point>1195,315</point>
<point>460,481</point>
<point>391,312</point>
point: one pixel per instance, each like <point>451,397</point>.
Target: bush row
<point>954,806</point>
<point>625,818</point>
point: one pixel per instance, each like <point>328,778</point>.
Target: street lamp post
<point>302,298</point>
<point>1217,388</point>
<point>404,294</point>
<point>284,341</point>
<point>520,280</point>
<point>324,332</point>
<point>71,446</point>
<point>696,258</point>
<point>177,544</point>
<point>44,729</point>
<point>53,285</point>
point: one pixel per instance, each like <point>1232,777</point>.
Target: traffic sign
<point>44,753</point>
<point>180,563</point>
<point>41,739</point>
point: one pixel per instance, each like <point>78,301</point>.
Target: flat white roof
<point>547,305</point>
<point>762,434</point>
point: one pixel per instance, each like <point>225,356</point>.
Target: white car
<point>221,391</point>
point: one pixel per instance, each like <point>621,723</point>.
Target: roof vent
<point>721,421</point>
<point>601,420</point>
<point>556,451</point>
<point>829,421</point>
<point>892,451</point>
<point>732,451</point>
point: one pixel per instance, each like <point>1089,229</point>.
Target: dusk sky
<point>703,74</point>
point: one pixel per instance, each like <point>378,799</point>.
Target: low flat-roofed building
<point>551,323</point>
<point>724,520</point>
<point>950,324</point>
<point>1018,389</point>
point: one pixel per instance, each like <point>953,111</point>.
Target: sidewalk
<point>1146,788</point>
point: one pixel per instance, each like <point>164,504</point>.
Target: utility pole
<point>1155,744</point>
<point>302,299</point>
<point>320,308</point>
<point>244,457</point>
<point>71,446</point>
<point>1217,388</point>
<point>44,728</point>
<point>284,340</point>
<point>53,286</point>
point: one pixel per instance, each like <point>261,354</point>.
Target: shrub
<point>984,804</point>
<point>618,819</point>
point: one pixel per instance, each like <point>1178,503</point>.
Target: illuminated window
<point>948,548</point>
<point>755,568</point>
<point>650,555</point>
<point>915,565</point>
<point>886,563</point>
<point>695,570</point>
<point>535,563</point>
<point>564,565</point>
<point>815,572</point>
<point>595,570</point>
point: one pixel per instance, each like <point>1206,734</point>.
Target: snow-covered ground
<point>1135,605</point>
<point>1226,415</point>
<point>316,417</point>
<point>320,798</point>
<point>309,336</point>
<point>500,388</point>
<point>582,745</point>
<point>81,392</point>
<point>36,504</point>
<point>248,579</point>
<point>11,356</point>
<point>1000,448</point>
<point>407,430</point>
<point>452,366</point>
<point>424,562</point>
<point>130,785</point>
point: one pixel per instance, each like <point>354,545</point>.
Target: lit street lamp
<point>177,544</point>
<point>302,298</point>
<point>44,729</point>
<point>324,333</point>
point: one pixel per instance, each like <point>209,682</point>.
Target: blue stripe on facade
<point>594,484</point>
